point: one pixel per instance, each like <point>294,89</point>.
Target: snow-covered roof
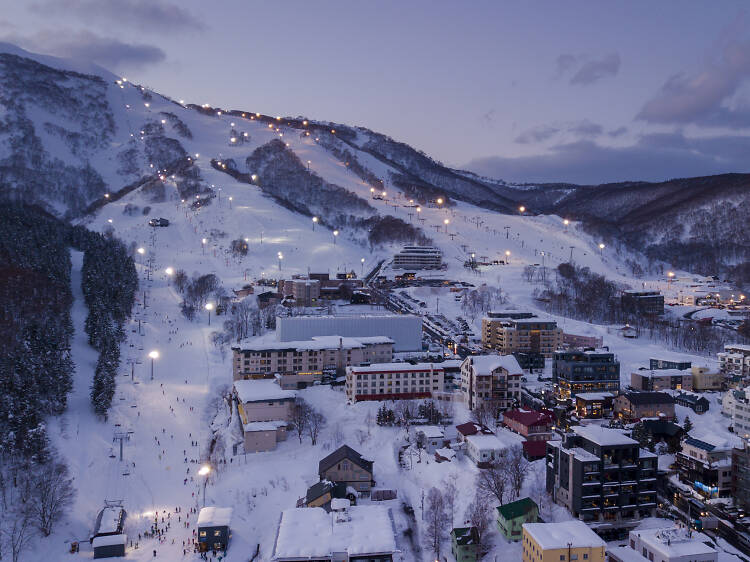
<point>446,453</point>
<point>646,454</point>
<point>337,504</point>
<point>316,343</point>
<point>110,519</point>
<point>431,431</point>
<point>109,540</point>
<point>737,346</point>
<point>626,554</point>
<point>261,389</point>
<point>485,364</point>
<point>397,367</point>
<point>674,542</point>
<point>501,440</point>
<point>310,533</point>
<point>215,516</point>
<point>594,395</point>
<point>264,425</point>
<point>649,374</point>
<point>583,455</point>
<point>603,436</point>
<point>559,535</point>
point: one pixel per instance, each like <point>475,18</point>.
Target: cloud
<point>85,46</point>
<point>151,15</point>
<point>595,70</point>
<point>618,132</point>
<point>583,128</point>
<point>487,119</point>
<point>654,157</point>
<point>705,97</point>
<point>566,62</point>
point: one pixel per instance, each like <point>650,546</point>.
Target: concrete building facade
<point>491,378</point>
<point>528,335</point>
<point>393,381</point>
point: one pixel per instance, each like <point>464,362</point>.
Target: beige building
<point>735,359</point>
<point>528,335</point>
<point>347,466</point>
<point>569,540</point>
<point>393,381</point>
<point>265,410</point>
<point>491,378</point>
<point>705,378</point>
<point>306,292</point>
<point>631,406</point>
<point>265,357</point>
<point>661,379</point>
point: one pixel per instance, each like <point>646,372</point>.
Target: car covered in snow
<point>158,222</point>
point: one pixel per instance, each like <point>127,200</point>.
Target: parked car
<point>158,222</point>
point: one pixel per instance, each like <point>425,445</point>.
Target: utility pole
<point>121,436</point>
<point>507,231</point>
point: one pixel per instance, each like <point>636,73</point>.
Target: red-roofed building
<point>534,450</point>
<point>534,425</point>
<point>470,428</point>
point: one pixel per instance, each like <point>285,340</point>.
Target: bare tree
<point>315,423</point>
<point>517,468</point>
<point>478,515</point>
<point>52,495</point>
<point>450,494</point>
<point>17,530</point>
<point>494,482</point>
<point>485,413</point>
<point>437,520</point>
<point>180,280</point>
<point>528,273</point>
<point>300,417</point>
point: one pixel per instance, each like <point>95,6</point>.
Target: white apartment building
<point>673,544</point>
<point>393,381</point>
<point>495,378</point>
<point>418,257</point>
<point>485,449</point>
<point>734,362</point>
<point>736,405</point>
<point>265,357</point>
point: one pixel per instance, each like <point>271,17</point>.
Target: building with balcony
<point>528,335</point>
<point>577,371</point>
<point>305,292</point>
<point>706,465</point>
<point>534,425</point>
<point>736,405</point>
<point>741,475</point>
<point>491,378</point>
<point>602,476</point>
<point>594,404</point>
<point>632,406</point>
<point>735,360</point>
<point>418,257</point>
<point>646,303</point>
<point>265,357</point>
<point>661,379</point>
<point>667,363</point>
<point>393,381</point>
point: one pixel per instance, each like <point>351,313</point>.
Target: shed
<point>109,546</point>
<point>213,528</point>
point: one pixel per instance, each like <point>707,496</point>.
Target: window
<point>202,533</point>
<point>562,557</point>
<point>585,556</point>
<point>217,533</point>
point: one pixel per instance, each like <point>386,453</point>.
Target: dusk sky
<point>524,91</point>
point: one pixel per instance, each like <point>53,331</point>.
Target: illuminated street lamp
<point>335,234</point>
<point>670,276</point>
<point>446,222</point>
<point>204,471</point>
<point>281,257</point>
<point>566,222</point>
<point>363,267</point>
<point>522,209</point>
<point>601,249</point>
<point>203,245</point>
<point>439,200</point>
<point>308,165</point>
<point>507,256</point>
<point>230,202</point>
<point>153,355</point>
<point>314,221</point>
<point>209,308</point>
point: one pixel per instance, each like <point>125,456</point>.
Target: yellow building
<point>561,542</point>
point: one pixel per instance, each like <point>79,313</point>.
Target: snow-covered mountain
<point>75,137</point>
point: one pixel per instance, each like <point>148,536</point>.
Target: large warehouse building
<point>404,329</point>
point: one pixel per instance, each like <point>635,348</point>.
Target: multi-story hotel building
<point>393,381</point>
<point>418,257</point>
<point>585,371</point>
<point>491,378</point>
<point>601,475</point>
<point>264,357</point>
<point>528,335</point>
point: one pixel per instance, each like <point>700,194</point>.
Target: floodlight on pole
<point>209,307</point>
<point>153,355</point>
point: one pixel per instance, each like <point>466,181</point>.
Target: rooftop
<point>397,367</point>
<point>501,440</point>
<point>528,417</point>
<point>344,452</point>
<point>430,431</point>
<point>316,343</point>
<point>516,508</point>
<point>261,389</point>
<point>603,436</point>
<point>109,540</point>
<point>485,364</point>
<point>311,533</point>
<point>675,542</point>
<point>648,373</point>
<point>215,516</point>
<point>264,425</point>
<point>559,535</point>
<point>594,395</point>
<point>648,397</point>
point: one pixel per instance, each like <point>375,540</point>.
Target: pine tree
<point>687,425</point>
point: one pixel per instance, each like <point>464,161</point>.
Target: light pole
<point>601,249</point>
<point>204,471</point>
<point>522,209</point>
<point>209,308</point>
<point>308,165</point>
<point>507,256</point>
<point>670,275</point>
<point>281,257</point>
<point>230,202</point>
<point>153,355</point>
<point>203,246</point>
<point>363,267</point>
<point>446,222</point>
<point>566,222</point>
<point>372,192</point>
<point>335,234</point>
<point>314,221</point>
